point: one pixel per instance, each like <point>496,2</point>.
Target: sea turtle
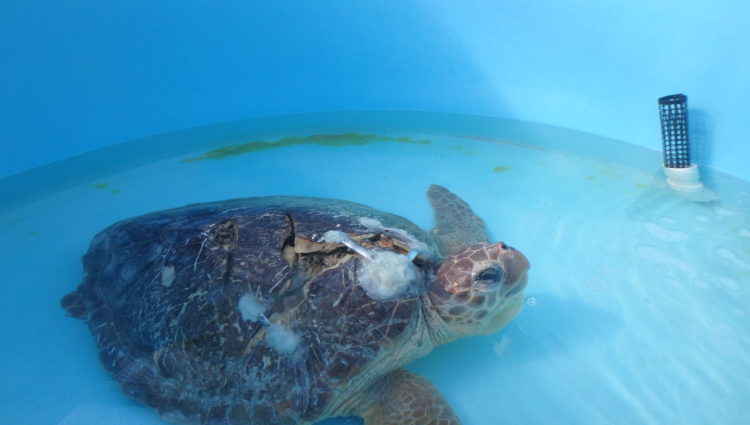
<point>290,310</point>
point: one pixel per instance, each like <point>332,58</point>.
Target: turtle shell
<point>162,294</point>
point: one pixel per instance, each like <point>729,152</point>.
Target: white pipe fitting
<point>684,179</point>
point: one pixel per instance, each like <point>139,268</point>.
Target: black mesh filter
<point>674,130</point>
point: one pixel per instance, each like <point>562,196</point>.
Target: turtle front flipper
<point>403,398</point>
<point>456,225</point>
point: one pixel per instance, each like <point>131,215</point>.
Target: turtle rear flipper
<point>456,225</point>
<point>74,305</point>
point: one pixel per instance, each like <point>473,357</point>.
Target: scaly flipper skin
<point>456,225</point>
<point>403,398</point>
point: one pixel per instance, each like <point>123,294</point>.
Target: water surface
<point>636,309</point>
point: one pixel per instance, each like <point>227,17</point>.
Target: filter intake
<point>681,173</point>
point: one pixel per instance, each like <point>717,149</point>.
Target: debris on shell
<point>167,276</point>
<point>383,275</point>
<point>250,308</point>
<point>283,340</point>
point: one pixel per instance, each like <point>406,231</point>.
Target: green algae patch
<point>606,171</point>
<point>500,169</point>
<point>329,140</point>
<point>590,178</point>
<point>32,232</point>
<point>105,186</point>
<point>462,150</point>
<point>641,185</point>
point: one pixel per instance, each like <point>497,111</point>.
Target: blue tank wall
<point>81,74</point>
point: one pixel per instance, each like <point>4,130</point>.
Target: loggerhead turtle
<point>290,310</point>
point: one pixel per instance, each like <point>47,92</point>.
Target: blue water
<point>636,309</point>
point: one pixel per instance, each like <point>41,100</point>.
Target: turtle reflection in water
<point>290,310</point>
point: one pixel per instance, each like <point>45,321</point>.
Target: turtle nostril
<point>503,245</point>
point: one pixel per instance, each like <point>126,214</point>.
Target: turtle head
<point>478,289</point>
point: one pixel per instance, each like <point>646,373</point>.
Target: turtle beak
<point>515,266</point>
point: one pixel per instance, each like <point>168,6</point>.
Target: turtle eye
<point>490,275</point>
